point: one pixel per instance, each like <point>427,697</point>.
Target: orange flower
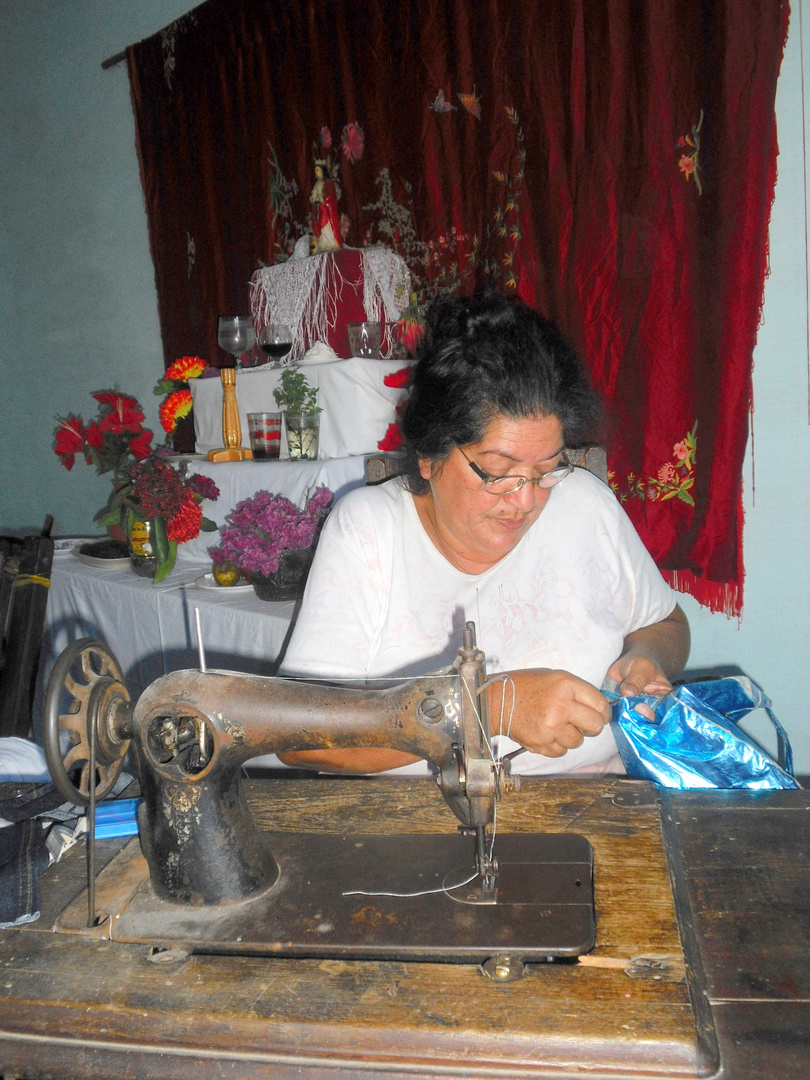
<point>185,523</point>
<point>409,332</point>
<point>175,407</point>
<point>187,367</point>
<point>686,165</point>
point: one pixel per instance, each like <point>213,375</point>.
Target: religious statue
<point>324,215</point>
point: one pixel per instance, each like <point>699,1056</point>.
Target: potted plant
<point>271,541</point>
<point>300,402</point>
<point>162,511</point>
<point>114,441</point>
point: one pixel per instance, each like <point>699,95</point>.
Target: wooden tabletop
<point>642,1004</point>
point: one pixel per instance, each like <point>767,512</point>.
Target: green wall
<point>78,307</point>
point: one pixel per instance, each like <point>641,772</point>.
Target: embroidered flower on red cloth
<point>472,103</point>
<point>686,165</point>
<point>674,479</point>
<point>689,161</point>
<point>353,141</point>
<point>325,138</point>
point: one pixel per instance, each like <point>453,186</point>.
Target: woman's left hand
<point>651,657</point>
<point>638,674</point>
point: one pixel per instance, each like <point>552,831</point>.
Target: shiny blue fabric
<point>694,741</point>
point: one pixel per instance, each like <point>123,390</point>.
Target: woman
<point>492,524</point>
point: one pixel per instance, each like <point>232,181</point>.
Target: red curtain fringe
<point>720,596</point>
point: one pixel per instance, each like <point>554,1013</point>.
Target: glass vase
<point>141,545</point>
<point>302,435</point>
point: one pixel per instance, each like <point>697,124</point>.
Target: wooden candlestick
<point>231,427</point>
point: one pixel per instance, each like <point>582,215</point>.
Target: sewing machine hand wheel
<point>89,679</point>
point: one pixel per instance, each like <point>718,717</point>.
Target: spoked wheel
<point>86,697</point>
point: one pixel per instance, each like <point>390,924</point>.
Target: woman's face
<point>473,528</point>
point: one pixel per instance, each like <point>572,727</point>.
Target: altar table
<point>727,997</point>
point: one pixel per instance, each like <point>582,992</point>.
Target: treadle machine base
<point>542,908</point>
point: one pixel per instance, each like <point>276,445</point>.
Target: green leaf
<point>111,517</point>
<point>161,540</point>
<point>684,496</point>
<point>162,572</point>
<point>164,565</point>
<point>207,525</point>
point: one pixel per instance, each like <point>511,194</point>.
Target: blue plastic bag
<point>694,741</point>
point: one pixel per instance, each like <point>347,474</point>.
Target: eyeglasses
<point>506,485</point>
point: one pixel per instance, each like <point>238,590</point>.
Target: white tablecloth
<point>357,406</point>
<point>151,629</point>
<point>239,480</point>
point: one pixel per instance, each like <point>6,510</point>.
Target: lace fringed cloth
<point>309,295</point>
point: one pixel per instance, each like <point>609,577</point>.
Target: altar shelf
<point>357,406</point>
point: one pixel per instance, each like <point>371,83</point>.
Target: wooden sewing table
<point>728,996</point>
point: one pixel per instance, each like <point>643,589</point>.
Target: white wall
<point>78,313</point>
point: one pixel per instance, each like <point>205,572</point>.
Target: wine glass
<point>275,341</point>
<point>235,334</point>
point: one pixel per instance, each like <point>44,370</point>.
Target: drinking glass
<point>275,341</point>
<point>235,334</point>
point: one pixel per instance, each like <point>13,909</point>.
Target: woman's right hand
<point>554,711</point>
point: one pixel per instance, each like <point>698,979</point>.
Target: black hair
<point>489,355</point>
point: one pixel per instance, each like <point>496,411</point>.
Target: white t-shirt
<point>382,600</point>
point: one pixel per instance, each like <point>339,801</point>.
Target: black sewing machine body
<point>218,883</point>
<point>194,731</point>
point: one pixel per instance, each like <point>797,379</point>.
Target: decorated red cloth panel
<point>610,161</point>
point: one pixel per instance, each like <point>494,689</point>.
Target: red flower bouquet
<point>167,507</point>
<point>113,442</point>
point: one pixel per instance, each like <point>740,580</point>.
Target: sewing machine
<point>217,883</point>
